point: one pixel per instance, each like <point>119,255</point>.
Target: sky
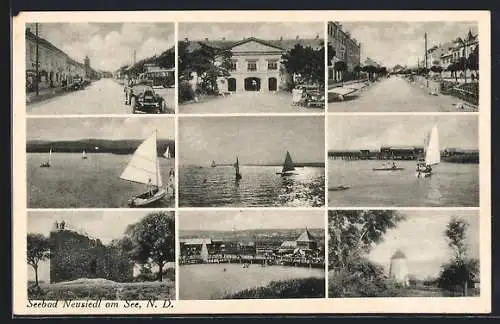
<point>104,225</point>
<point>109,45</point>
<point>371,132</point>
<point>255,140</point>
<point>391,43</point>
<point>227,220</point>
<point>421,238</point>
<point>60,129</point>
<point>238,31</point>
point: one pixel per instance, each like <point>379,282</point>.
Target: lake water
<point>72,182</point>
<point>451,184</point>
<point>259,186</point>
<point>209,281</point>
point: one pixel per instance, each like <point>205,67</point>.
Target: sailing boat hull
<point>45,165</point>
<point>339,188</point>
<point>146,198</point>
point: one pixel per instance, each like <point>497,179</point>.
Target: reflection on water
<point>451,184</point>
<point>211,281</point>
<point>259,186</point>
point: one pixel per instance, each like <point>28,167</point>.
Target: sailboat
<point>47,163</point>
<point>287,166</point>
<point>432,154</point>
<point>389,167</point>
<point>144,167</point>
<point>237,169</point>
<point>167,153</point>
<point>84,155</point>
<point>213,164</point>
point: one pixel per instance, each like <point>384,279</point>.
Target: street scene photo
<point>100,162</point>
<point>406,253</point>
<point>403,161</point>
<point>251,254</point>
<point>251,67</point>
<point>403,66</point>
<point>100,68</point>
<point>252,161</point>
<point>77,255</point>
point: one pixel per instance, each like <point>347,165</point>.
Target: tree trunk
<point>35,267</point>
<point>160,271</point>
<point>465,288</point>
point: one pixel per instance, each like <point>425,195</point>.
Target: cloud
<point>110,46</point>
<point>391,43</point>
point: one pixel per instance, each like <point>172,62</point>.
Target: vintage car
<point>142,97</point>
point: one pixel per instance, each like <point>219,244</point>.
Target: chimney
<point>297,37</point>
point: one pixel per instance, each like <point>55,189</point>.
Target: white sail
<point>143,166</point>
<point>432,153</point>
<point>50,155</point>
<point>84,153</point>
<point>167,153</point>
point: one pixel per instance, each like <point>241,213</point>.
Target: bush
<point>295,288</point>
<point>186,91</point>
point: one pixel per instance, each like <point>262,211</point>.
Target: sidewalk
<point>43,94</point>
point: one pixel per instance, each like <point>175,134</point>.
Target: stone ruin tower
<point>399,268</point>
<point>74,255</point>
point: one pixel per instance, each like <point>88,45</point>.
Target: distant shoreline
<point>298,165</point>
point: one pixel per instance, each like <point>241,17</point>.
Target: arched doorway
<point>252,84</point>
<point>231,84</point>
<point>273,84</point>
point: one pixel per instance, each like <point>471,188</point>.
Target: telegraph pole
<point>36,59</point>
<point>426,66</point>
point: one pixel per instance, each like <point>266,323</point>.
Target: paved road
<point>104,96</point>
<point>396,94</point>
<point>246,102</point>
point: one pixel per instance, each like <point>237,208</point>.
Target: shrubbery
<point>295,288</point>
<point>186,91</point>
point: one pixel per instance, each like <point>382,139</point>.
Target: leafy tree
<point>473,60</point>
<point>460,270</point>
<point>340,66</point>
<point>38,249</point>
<point>151,240</point>
<point>436,69</point>
<point>452,67</point>
<point>306,62</point>
<point>462,66</point>
<point>357,70</point>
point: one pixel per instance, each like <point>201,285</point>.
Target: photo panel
<point>100,162</point>
<point>100,68</point>
<point>403,66</point>
<point>77,256</point>
<point>251,161</point>
<point>403,161</point>
<point>252,67</point>
<point>403,253</point>
<point>251,254</point>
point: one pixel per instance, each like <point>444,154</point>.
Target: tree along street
<point>396,94</point>
<point>104,96</point>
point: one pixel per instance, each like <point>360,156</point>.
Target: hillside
<point>95,146</point>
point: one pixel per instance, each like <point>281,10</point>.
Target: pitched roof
<point>306,237</point>
<point>281,44</point>
<point>288,245</point>
<point>398,255</point>
<point>196,241</point>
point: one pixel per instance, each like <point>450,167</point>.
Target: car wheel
<point>132,105</point>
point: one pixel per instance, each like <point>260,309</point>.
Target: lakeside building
<point>347,50</point>
<point>55,67</point>
<point>256,64</point>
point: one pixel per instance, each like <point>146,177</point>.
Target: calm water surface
<point>260,186</point>
<point>451,184</point>
<point>72,182</point>
<point>209,281</point>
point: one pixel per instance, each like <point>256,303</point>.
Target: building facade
<point>55,67</point>
<point>256,64</point>
<point>347,50</point>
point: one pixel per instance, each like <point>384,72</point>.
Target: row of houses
<point>205,249</point>
<point>346,49</point>
<point>450,52</point>
<point>256,64</point>
<point>55,67</point>
<point>397,153</point>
